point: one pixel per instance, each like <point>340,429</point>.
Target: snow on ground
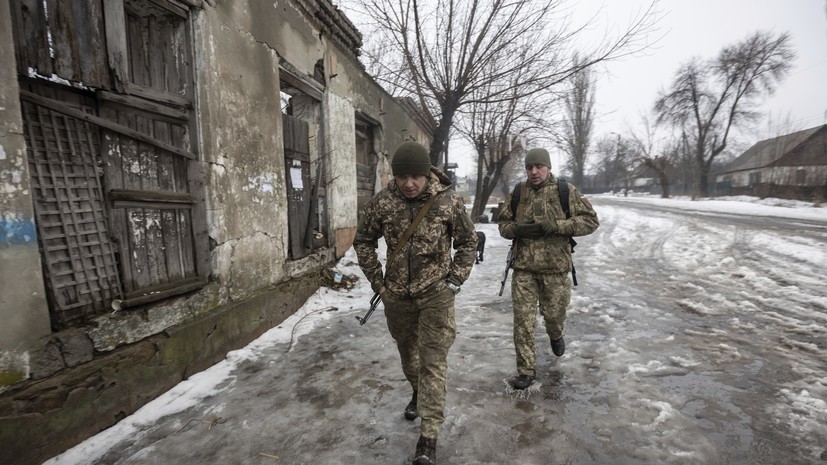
<point>641,375</point>
<point>741,204</point>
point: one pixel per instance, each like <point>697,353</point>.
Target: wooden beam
<point>161,197</point>
<point>105,123</point>
<point>182,116</point>
<point>115,24</point>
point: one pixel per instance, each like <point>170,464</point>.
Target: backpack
<point>563,192</point>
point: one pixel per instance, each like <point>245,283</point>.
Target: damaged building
<point>174,175</point>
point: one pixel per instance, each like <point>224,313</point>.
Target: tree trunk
<point>486,193</point>
<point>442,132</point>
<point>664,185</point>
<point>700,172</point>
<point>479,205</point>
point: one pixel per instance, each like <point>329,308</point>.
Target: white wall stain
<point>260,183</point>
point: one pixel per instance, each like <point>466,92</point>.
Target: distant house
<point>642,178</point>
<point>789,166</point>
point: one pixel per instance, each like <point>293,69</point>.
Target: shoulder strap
<point>409,232</point>
<point>517,201</point>
<point>563,190</point>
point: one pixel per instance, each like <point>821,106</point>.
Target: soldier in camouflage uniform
<point>418,287</point>
<point>543,260</point>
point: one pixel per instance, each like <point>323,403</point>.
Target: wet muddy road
<point>693,338</point>
<point>702,338</point>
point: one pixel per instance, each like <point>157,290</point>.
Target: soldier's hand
<point>530,230</point>
<point>454,284</point>
<point>549,227</point>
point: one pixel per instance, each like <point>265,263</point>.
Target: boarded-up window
<point>158,44</point>
<point>64,38</point>
<point>304,163</point>
<point>118,190</point>
<point>153,207</point>
<point>297,170</point>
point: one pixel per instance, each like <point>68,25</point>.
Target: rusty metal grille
<point>65,168</point>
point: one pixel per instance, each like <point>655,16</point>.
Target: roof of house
<point>776,151</point>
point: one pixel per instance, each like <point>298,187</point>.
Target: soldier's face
<point>411,185</point>
<point>537,173</point>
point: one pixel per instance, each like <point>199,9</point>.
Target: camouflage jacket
<point>424,263</point>
<point>547,254</point>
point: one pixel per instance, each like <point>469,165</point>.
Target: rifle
<point>517,208</point>
<point>374,302</point>
<point>509,262</point>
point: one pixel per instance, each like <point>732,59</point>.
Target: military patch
<point>586,201</point>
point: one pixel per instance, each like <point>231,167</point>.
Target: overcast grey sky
<point>628,88</point>
<point>701,28</point>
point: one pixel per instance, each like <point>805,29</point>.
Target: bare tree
<point>656,154</point>
<point>498,130</point>
<point>577,127</point>
<point>708,99</point>
<point>604,151</point>
<point>441,50</point>
<point>615,161</point>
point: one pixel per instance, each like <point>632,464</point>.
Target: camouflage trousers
<point>424,329</point>
<point>552,293</point>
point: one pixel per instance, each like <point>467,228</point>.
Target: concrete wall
<point>240,130</point>
<point>61,387</point>
<point>23,310</point>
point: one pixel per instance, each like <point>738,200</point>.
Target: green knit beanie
<point>411,158</point>
<point>537,157</point>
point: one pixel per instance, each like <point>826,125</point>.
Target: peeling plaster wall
<point>342,150</point>
<point>238,90</point>
<point>23,308</point>
<point>368,98</point>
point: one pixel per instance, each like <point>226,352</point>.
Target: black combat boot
<point>523,381</point>
<point>558,346</point>
<point>425,451</point>
<point>410,409</point>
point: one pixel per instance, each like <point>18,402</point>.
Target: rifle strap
<point>521,203</point>
<point>517,200</point>
<point>563,192</point>
<point>409,232</point>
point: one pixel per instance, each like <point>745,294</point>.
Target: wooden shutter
<point>153,207</point>
<point>297,171</point>
<point>79,264</point>
<point>154,180</point>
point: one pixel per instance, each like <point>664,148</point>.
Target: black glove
<point>549,227</point>
<point>530,230</point>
